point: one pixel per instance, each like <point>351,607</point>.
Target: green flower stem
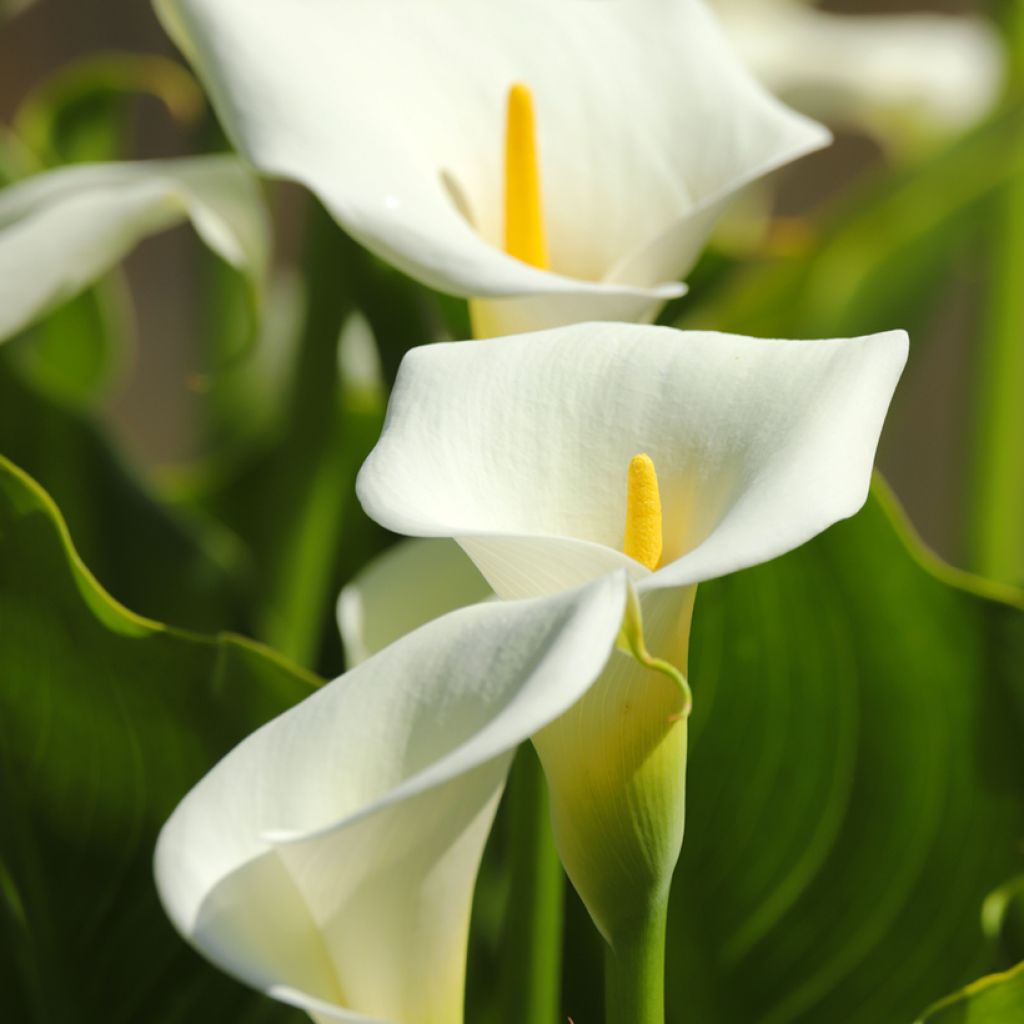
<point>306,471</point>
<point>635,971</point>
<point>997,533</point>
<point>531,956</point>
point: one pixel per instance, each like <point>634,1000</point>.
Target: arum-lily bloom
<point>557,457</point>
<point>61,230</point>
<point>899,76</point>
<point>564,159</point>
<point>329,860</point>
<point>411,584</point>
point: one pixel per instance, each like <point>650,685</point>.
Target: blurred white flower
<point>61,230</point>
<point>898,76</point>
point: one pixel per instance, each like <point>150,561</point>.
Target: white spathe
<point>61,230</point>
<point>409,585</point>
<point>393,112</point>
<point>518,448</point>
<point>896,75</point>
<point>329,859</point>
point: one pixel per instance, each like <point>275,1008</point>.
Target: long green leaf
<point>149,556</point>
<point>106,719</point>
<point>855,786</point>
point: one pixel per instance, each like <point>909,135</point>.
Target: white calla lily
<point>519,448</point>
<point>394,113</point>
<point>408,586</point>
<point>329,860</point>
<point>895,75</point>
<point>524,449</point>
<point>63,229</point>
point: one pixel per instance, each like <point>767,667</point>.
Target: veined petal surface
<point>329,860</point>
<point>393,111</point>
<point>519,447</point>
<point>63,229</point>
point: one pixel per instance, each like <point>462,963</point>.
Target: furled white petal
<point>329,859</point>
<point>61,230</point>
<point>518,448</point>
<point>616,770</point>
<point>393,111</point>
<point>885,72</point>
<point>413,583</point>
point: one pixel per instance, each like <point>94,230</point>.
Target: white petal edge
<point>942,72</point>
<point>413,583</point>
<point>329,859</point>
<point>62,230</point>
<point>518,447</point>
<point>679,127</point>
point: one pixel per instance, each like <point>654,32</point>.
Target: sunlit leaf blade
<point>854,785</point>
<point>997,999</point>
<point>106,720</point>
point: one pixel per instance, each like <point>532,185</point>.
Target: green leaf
<point>854,785</point>
<point>997,999</point>
<point>153,558</point>
<point>106,720</point>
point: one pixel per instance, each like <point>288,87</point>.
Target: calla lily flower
<point>413,583</point>
<point>329,859</point>
<point>62,230</point>
<point>896,75</point>
<point>555,458</point>
<point>563,159</point>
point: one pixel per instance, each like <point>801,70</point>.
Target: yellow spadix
<point>525,237</point>
<point>643,536</point>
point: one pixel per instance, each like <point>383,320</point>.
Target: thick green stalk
<point>997,519</point>
<point>635,970</point>
<point>531,954</point>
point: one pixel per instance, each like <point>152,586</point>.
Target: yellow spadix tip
<point>643,535</point>
<point>525,238</point>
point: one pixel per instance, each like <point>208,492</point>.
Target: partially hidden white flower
<point>61,230</point>
<point>899,76</point>
<point>329,859</point>
<point>549,456</point>
<point>408,586</point>
<point>610,133</point>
